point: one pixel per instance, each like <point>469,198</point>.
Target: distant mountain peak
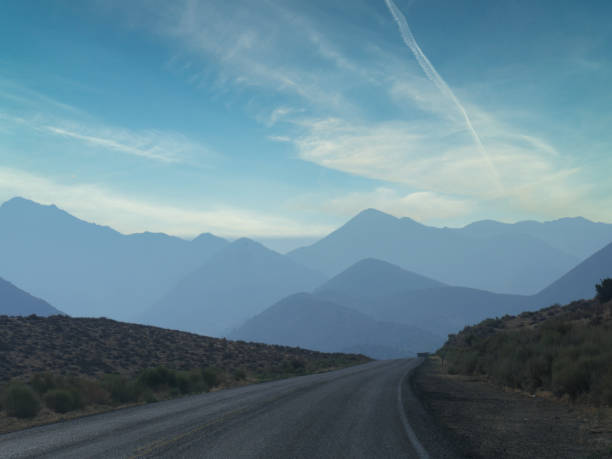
<point>204,236</point>
<point>371,214</point>
<point>19,201</point>
<point>245,242</point>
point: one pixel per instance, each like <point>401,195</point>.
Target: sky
<point>282,119</point>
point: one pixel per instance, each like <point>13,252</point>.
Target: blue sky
<point>281,119</point>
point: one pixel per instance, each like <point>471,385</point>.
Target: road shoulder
<point>482,420</point>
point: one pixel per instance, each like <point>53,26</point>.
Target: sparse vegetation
<point>20,401</point>
<point>604,290</point>
<point>97,364</point>
<point>61,400</point>
<point>565,350</point>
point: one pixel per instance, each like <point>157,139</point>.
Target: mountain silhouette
<point>389,293</point>
<point>476,257</point>
<point>576,236</point>
<point>307,321</point>
<point>16,302</point>
<point>238,282</point>
<point>92,270</point>
<point>579,283</point>
<point>369,280</point>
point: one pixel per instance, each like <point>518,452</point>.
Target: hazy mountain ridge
<point>211,286</point>
<point>502,261</point>
<point>384,296</point>
<point>238,282</point>
<point>16,302</point>
<point>305,320</point>
<point>579,283</point>
<point>92,270</point>
<point>574,235</point>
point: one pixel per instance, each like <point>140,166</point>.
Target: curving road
<point>358,412</point>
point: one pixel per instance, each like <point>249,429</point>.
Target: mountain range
<point>91,270</point>
<point>307,321</point>
<point>239,281</point>
<point>399,284</point>
<point>519,259</point>
<point>387,294</point>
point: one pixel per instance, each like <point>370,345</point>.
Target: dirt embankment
<point>483,420</point>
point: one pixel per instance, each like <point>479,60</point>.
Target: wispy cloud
<point>154,145</point>
<point>431,156</point>
<point>98,204</point>
<point>433,75</point>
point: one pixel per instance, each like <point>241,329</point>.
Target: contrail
<point>436,79</point>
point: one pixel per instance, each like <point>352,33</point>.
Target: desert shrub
<point>60,400</point>
<point>570,377</point>
<point>211,376</point>
<point>20,401</point>
<point>604,290</point>
<point>157,377</point>
<point>43,382</point>
<point>148,396</point>
<point>239,374</point>
<point>189,382</point>
<point>121,389</point>
<point>92,392</point>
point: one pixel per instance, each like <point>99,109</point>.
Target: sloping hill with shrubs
<point>566,350</point>
<point>54,365</point>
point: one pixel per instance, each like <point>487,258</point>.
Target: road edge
<point>428,433</point>
<point>414,441</point>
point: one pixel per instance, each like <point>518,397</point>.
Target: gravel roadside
<point>482,420</point>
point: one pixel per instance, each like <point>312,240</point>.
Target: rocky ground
<point>484,421</point>
<point>94,347</point>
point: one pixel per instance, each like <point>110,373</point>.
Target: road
<point>357,412</point>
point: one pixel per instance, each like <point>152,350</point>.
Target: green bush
<point>20,401</point>
<point>61,400</point>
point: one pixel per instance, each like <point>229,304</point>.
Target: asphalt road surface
<point>358,412</point>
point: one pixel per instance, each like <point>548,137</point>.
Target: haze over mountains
<point>578,283</point>
<point>308,321</point>
<point>389,294</point>
<point>239,281</point>
<point>16,302</point>
<point>90,270</point>
<point>488,256</point>
<point>399,284</point>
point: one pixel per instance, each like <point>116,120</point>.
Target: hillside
<point>565,350</point>
<point>495,261</point>
<point>16,302</point>
<point>238,282</point>
<point>307,321</point>
<point>94,347</point>
<point>92,270</point>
